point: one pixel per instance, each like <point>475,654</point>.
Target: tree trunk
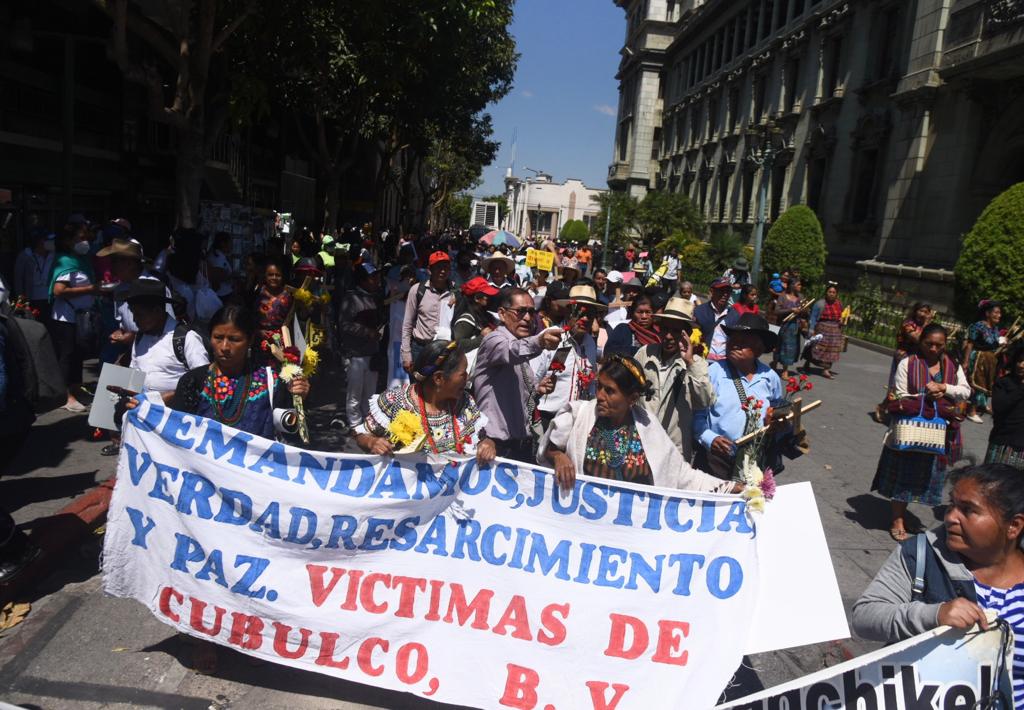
<point>332,198</point>
<point>189,170</point>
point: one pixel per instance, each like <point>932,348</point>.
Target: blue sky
<point>565,95</point>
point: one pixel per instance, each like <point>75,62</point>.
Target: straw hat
<point>583,295</point>
<point>677,309</point>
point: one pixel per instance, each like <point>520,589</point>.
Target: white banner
<point>943,668</point>
<point>475,586</point>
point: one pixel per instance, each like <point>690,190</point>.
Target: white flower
<point>289,371</point>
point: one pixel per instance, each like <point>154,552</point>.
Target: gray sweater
<point>885,611</point>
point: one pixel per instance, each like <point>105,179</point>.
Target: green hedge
<point>796,241</point>
<point>991,263</point>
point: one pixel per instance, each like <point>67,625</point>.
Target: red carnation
<point>292,355</point>
<point>556,366</point>
<point>809,386</point>
<point>803,378</point>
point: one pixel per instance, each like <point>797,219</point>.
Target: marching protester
<point>448,419</point>
<point>714,315</point>
<point>424,305</point>
<point>471,320</point>
<point>499,269</point>
<point>614,437</point>
<point>274,302</point>
<point>686,292</point>
<point>788,309</point>
<point>640,330</point>
<point>1006,442</point>
<point>573,365</point>
<point>983,339</point>
<point>75,322</point>
<point>827,321</point>
<point>747,300</point>
<point>359,324</point>
<point>928,383</point>
<point>951,575</point>
<point>678,377</point>
<point>739,376</point>
<point>505,387</point>
<point>32,272</point>
<point>907,339</point>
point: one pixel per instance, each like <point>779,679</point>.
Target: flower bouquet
<point>406,431</point>
<point>760,484</point>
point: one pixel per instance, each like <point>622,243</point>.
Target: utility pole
<point>605,263</point>
<point>763,156</point>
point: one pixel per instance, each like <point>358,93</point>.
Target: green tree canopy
<point>574,231</point>
<point>661,214</point>
<point>623,216</point>
<point>991,263</point>
<point>796,241</point>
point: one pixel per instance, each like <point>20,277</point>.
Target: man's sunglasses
<point>523,312</point>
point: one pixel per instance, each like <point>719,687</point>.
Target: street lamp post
<point>605,261</point>
<point>762,155</point>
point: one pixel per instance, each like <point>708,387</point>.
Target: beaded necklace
<point>615,447</point>
<point>232,406</point>
<point>426,425</point>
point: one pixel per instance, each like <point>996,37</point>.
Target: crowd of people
<point>621,373</point>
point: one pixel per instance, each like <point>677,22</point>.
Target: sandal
<point>899,534</point>
<point>828,375</point>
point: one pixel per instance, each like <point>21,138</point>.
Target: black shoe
<point>13,565</point>
<point>110,450</point>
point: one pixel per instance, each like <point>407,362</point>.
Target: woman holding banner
<point>234,389</point>
<point>614,437</point>
<point>951,575</point>
<point>434,413</point>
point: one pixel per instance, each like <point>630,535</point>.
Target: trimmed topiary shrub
<point>991,263</point>
<point>574,231</point>
<point>796,241</point>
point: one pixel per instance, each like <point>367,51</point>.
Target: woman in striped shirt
<point>973,563</point>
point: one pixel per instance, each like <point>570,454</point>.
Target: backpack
<point>31,351</point>
<point>181,331</point>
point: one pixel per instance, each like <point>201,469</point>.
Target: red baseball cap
<point>437,257</point>
<point>478,284</point>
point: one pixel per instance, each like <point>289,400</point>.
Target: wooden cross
<point>798,410</point>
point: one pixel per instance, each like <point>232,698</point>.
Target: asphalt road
<point>81,649</point>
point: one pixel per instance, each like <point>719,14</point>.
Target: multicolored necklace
<point>456,434</point>
<point>615,447</point>
<point>229,399</point>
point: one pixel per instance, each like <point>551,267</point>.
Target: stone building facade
<point>540,207</point>
<point>895,120</point>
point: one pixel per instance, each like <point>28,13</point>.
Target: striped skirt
<point>1002,453</point>
<point>830,347</point>
<point>910,477</point>
<point>788,351</point>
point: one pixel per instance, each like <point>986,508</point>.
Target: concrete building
<point>537,206</point>
<point>895,120</point>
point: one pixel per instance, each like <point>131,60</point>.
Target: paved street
<point>80,649</point>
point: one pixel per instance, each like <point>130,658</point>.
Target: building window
<point>798,8</point>
<point>865,182</point>
<point>541,221</point>
<point>748,193</point>
<point>791,83</point>
<point>832,66</point>
<point>670,11</point>
<point>680,131</point>
<point>694,124</point>
<point>734,108</point>
<point>778,191</point>
<point>760,94</point>
<point>623,140</point>
<point>815,182</point>
<point>767,9</point>
<point>889,32</point>
<point>656,143</point>
<point>723,195</point>
<point>713,104</point>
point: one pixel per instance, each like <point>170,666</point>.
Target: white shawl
<point>571,427</point>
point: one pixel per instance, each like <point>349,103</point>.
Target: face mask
<point>49,245</point>
<point>81,248</point>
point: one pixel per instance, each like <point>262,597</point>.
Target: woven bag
<point>926,435</point>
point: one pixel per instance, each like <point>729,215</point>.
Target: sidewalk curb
<point>56,534</point>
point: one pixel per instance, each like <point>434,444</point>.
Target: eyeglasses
<point>523,312</point>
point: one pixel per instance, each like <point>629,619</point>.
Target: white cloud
<point>527,94</point>
<point>605,109</point>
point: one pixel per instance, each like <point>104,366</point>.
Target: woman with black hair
<point>972,563</point>
<point>1006,442</point>
<point>274,302</point>
<point>983,339</point>
<point>235,389</point>
<point>747,302</point>
<point>929,381</point>
<point>613,436</point>
<point>449,421</point>
<point>626,338</point>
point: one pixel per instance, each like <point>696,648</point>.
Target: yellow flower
<point>405,428</point>
<point>303,297</point>
<point>695,336</point>
<point>310,361</point>
<point>290,371</point>
<point>756,504</point>
<point>325,298</point>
